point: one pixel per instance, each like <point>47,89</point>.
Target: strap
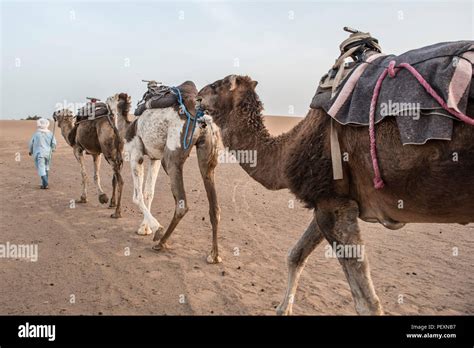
<point>339,65</point>
<point>356,44</point>
<point>335,153</point>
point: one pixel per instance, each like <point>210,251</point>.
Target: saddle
<point>348,90</point>
<point>159,97</point>
<point>359,46</point>
<point>93,109</point>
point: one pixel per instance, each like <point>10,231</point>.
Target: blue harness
<point>190,118</point>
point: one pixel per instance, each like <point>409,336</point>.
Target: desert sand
<point>83,265</point>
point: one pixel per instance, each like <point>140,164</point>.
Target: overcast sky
<point>61,52</point>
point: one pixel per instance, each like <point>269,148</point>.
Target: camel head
<point>64,116</point>
<point>119,104</point>
<point>219,98</point>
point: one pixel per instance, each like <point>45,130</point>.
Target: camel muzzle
<point>200,105</point>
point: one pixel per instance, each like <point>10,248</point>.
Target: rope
<point>392,71</point>
<point>195,119</point>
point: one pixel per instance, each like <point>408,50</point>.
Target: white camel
<point>158,134</point>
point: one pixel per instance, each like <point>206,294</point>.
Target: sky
<point>57,53</point>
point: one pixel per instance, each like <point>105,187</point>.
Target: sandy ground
<point>82,250</point>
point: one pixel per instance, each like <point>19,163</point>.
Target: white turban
<point>42,123</point>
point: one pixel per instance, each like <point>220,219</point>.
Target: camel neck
<point>122,124</point>
<point>65,130</point>
<point>250,139</point>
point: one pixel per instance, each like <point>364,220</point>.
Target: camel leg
<point>207,158</point>
<point>78,153</point>
<point>149,193</point>
<point>113,201</point>
<point>175,171</point>
<point>296,261</point>
<point>150,182</point>
<point>102,196</point>
<point>340,227</point>
<point>149,223</point>
<point>117,178</point>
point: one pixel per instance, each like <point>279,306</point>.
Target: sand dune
<point>82,252</point>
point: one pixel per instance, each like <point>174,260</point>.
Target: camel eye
<point>213,86</point>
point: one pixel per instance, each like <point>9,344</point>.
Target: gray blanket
<point>446,67</point>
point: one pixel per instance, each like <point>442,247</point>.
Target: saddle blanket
<point>160,97</point>
<point>447,67</point>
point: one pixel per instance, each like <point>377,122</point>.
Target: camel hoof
<point>116,215</point>
<point>103,198</point>
<point>214,259</point>
<point>81,200</point>
<point>144,230</point>
<point>280,311</point>
<point>154,224</point>
<point>158,233</point>
<point>161,246</point>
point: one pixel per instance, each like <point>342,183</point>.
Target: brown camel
<point>423,183</point>
<point>94,137</point>
<point>158,134</point>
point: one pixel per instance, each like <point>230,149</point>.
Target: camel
<point>95,137</point>
<point>432,187</point>
<point>158,134</point>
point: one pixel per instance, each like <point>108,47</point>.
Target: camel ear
<point>254,84</point>
<point>233,82</point>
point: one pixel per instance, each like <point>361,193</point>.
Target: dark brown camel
<point>432,186</point>
<point>94,137</point>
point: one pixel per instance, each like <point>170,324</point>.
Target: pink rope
<point>392,71</point>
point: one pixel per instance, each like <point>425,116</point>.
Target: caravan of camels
<point>340,167</point>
